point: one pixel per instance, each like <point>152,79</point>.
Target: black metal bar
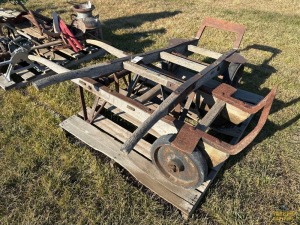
<point>83,105</point>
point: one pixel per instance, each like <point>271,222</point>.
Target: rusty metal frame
<point>224,25</point>
<point>110,72</point>
<point>180,92</point>
<point>224,92</point>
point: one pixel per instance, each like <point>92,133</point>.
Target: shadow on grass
<point>259,73</point>
<point>133,41</point>
<point>129,40</point>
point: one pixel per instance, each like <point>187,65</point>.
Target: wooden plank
<point>27,75</point>
<point>151,74</point>
<point>108,48</point>
<point>211,115</point>
<point>71,53</point>
<point>149,94</point>
<point>143,147</point>
<point>8,13</point>
<point>33,32</point>
<point>126,117</point>
<point>182,61</point>
<point>111,148</point>
<point>203,51</point>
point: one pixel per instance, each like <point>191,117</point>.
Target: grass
<point>47,179</point>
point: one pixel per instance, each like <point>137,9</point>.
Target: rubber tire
<point>196,156</point>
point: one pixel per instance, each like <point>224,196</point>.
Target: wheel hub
<point>175,165</point>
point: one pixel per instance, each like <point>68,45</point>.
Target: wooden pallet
<point>66,58</point>
<point>138,162</point>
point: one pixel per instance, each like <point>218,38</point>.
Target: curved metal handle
<point>223,25</point>
<point>266,104</point>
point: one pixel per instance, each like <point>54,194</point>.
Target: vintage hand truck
<point>27,33</point>
<point>164,117</point>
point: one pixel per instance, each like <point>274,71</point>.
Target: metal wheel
<point>182,169</point>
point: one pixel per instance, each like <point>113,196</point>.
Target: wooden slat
<point>71,53</point>
<point>211,115</point>
<point>33,32</point>
<point>151,74</point>
<point>182,61</point>
<point>8,13</point>
<point>143,147</point>
<point>203,51</point>
<point>108,48</point>
<point>27,75</point>
<point>126,116</point>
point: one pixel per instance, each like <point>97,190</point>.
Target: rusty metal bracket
<point>224,92</point>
